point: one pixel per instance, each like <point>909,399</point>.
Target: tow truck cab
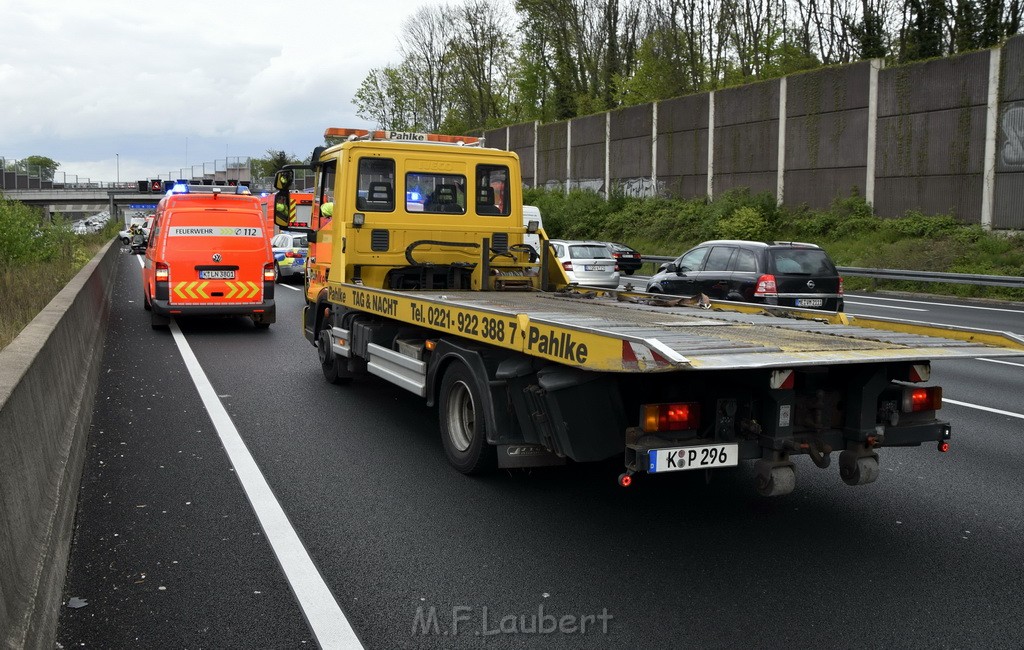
<point>407,211</point>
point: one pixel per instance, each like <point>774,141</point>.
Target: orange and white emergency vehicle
<point>209,255</point>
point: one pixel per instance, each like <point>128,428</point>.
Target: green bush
<point>19,233</point>
<point>746,222</point>
<point>37,258</point>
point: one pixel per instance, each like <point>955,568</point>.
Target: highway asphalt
<point>169,553</point>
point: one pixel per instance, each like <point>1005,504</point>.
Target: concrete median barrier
<point>48,379</point>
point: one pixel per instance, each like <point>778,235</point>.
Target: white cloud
<point>83,81</point>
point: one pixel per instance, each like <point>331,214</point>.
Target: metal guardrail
<point>1011,281</point>
<point>934,276</point>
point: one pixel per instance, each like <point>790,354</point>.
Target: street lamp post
<point>117,158</point>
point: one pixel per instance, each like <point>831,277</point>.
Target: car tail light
<point>682,416</point>
<point>766,286</point>
<point>616,255</point>
<point>162,272</point>
<point>840,285</point>
<point>922,399</point>
<point>268,272</point>
<point>567,266</point>
<point>292,254</point>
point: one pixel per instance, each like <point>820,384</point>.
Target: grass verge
<point>37,259</point>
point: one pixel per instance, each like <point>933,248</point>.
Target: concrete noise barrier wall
<point>48,379</point>
<point>940,136</point>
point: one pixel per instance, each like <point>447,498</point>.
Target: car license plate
<point>216,275</point>
<point>809,302</point>
<point>595,267</point>
<point>701,457</point>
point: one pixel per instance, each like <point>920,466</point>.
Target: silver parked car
<point>588,263</point>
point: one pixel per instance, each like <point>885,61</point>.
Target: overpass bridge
<point>75,203</point>
<point>79,202</point>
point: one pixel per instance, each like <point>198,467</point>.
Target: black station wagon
<point>790,274</point>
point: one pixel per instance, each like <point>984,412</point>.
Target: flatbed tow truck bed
<point>628,332</point>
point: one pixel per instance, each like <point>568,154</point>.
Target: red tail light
<point>162,272</point>
<point>293,254</point>
<point>268,272</point>
<point>567,266</point>
<point>766,286</point>
<point>922,399</point>
<point>670,417</point>
<point>840,285</point>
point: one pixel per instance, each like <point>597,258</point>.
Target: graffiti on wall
<point>1012,127</point>
<point>637,187</point>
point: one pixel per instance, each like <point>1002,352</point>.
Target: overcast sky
<point>162,86</point>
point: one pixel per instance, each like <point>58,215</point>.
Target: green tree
<point>37,166</point>
<point>388,97</point>
<point>275,160</point>
<point>923,35</point>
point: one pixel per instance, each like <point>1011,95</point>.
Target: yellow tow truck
<point>419,274</point>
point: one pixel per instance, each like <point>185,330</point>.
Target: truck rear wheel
<point>463,423</point>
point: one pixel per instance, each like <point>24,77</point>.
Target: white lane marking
<point>938,304</point>
<point>288,286</point>
<point>142,262</point>
<point>324,615</point>
<point>946,400</point>
<point>868,304</point>
<point>1005,363</point>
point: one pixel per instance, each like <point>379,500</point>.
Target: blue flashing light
<point>242,189</point>
<point>179,188</point>
<point>264,194</point>
<point>413,196</point>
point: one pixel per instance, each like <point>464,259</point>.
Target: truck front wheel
<point>330,364</point>
<point>463,424</point>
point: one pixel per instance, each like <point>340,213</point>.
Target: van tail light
<point>922,399</point>
<point>268,272</point>
<point>766,286</point>
<point>840,285</point>
<point>683,416</point>
<point>162,272</point>
<point>567,266</point>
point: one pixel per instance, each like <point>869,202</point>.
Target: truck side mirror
<point>282,209</point>
<point>283,180</point>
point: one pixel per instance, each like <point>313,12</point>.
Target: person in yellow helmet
<point>327,209</point>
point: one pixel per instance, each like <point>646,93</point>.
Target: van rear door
<point>216,257</point>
